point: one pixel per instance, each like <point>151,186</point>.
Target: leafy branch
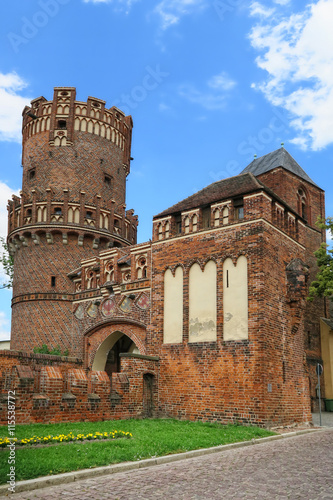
<point>322,286</point>
<point>7,262</point>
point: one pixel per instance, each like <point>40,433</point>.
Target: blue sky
<point>209,83</point>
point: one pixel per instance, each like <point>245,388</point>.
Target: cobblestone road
<point>300,467</point>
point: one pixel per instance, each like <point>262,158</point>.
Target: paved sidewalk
<point>299,467</point>
<point>326,419</point>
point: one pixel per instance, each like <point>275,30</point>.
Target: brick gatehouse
<point>208,320</point>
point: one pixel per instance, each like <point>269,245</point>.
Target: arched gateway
<point>107,355</point>
<point>104,343</point>
<point>117,348</point>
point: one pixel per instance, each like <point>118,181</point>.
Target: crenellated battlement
<point>61,118</point>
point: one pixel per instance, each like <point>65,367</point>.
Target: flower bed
<point>70,437</point>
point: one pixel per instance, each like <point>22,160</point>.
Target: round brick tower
<point>76,156</point>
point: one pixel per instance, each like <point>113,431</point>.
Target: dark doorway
<point>113,359</point>
<point>148,391</point>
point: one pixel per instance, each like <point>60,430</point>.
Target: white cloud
<point>221,82</point>
<point>4,327</point>
<point>257,9</point>
<point>5,194</point>
<point>215,94</point>
<point>171,11</point>
<point>11,106</point>
<point>119,4</point>
<point>163,107</point>
<point>297,54</point>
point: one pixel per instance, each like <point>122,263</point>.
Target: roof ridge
<point>215,192</point>
<point>278,158</point>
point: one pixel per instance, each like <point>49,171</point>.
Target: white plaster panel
<point>202,303</point>
<point>173,307</point>
<point>235,300</point>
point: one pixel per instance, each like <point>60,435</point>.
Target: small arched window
<point>225,216</point>
<point>195,222</point>
<point>187,225</point>
<point>217,218</point>
<point>160,231</point>
<point>302,204</point>
<point>167,229</point>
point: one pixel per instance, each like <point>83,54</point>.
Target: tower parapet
<point>76,157</point>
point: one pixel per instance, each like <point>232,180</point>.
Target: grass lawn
<point>151,438</point>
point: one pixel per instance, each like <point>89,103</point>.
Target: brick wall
<point>262,379</point>
<point>52,389</point>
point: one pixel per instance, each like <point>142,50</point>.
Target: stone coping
<point>138,356</point>
<point>11,353</point>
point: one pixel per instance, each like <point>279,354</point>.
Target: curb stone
<point>69,477</point>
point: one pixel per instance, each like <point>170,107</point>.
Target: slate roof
<point>220,190</point>
<point>278,158</point>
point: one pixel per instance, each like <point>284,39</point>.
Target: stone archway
<point>107,355</point>
<point>102,338</point>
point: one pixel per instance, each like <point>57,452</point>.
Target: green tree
<point>7,263</point>
<point>322,286</point>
